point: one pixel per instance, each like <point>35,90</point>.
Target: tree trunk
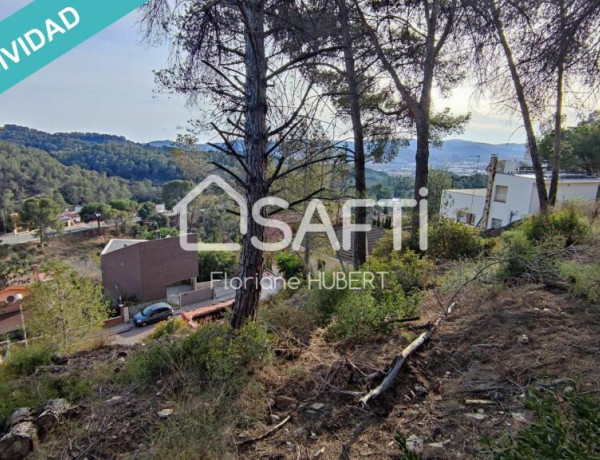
<point>19,416</point>
<point>560,74</point>
<point>19,442</point>
<point>423,122</point>
<point>520,92</point>
<point>53,412</point>
<point>360,246</point>
<point>421,174</point>
<point>255,141</point>
<point>557,137</point>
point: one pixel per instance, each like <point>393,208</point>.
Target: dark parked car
<point>153,313</point>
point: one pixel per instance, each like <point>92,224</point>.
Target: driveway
<point>130,335</point>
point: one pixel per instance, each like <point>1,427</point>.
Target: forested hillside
<point>26,172</point>
<point>113,155</point>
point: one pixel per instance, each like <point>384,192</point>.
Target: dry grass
<point>475,354</point>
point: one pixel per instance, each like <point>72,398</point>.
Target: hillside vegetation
<point>112,155</point>
<point>510,370</point>
<point>27,171</point>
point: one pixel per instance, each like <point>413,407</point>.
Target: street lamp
<point>19,298</point>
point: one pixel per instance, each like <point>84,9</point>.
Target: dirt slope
<point>479,353</point>
<point>487,350</point>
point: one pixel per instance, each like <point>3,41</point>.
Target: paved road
<point>135,334</point>
<point>138,334</point>
<point>12,239</point>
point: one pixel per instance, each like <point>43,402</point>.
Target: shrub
<point>385,246</point>
<point>167,328</point>
<point>405,270</point>
<point>566,223</point>
<point>323,303</point>
<point>356,317</point>
<point>213,354</point>
<point>211,261</point>
<point>449,239</point>
<point>290,264</point>
<point>35,392</point>
<point>24,361</point>
<point>285,319</point>
<point>535,259</point>
<point>585,279</point>
<point>360,316</point>
<point>565,426</point>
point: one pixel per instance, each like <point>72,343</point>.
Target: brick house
<point>146,270</point>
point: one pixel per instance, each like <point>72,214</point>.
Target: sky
<point>106,85</point>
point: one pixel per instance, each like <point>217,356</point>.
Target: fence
<point>204,291</point>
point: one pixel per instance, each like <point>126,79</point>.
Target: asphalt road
<point>133,336</point>
<point>12,239</point>
<point>138,334</point>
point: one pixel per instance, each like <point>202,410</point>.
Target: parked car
<point>153,314</point>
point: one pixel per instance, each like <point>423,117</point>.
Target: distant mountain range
<point>451,152</point>
<point>139,169</point>
<point>460,151</point>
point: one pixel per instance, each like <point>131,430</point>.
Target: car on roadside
<point>153,314</point>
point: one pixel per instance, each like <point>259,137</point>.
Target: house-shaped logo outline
<point>182,209</point>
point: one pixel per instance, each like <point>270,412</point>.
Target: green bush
<point>167,328</point>
<point>522,256</point>
<point>213,354</point>
<point>323,303</point>
<point>565,426</point>
<point>449,239</point>
<point>290,264</point>
<point>405,270</point>
<point>357,317</point>
<point>35,392</point>
<point>517,251</point>
<point>212,261</point>
<point>24,361</point>
<point>566,223</point>
<point>360,315</point>
<point>585,279</point>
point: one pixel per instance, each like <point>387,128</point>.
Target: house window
<point>501,192</point>
<point>496,223</point>
<point>466,218</point>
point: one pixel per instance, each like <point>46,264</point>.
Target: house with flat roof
<point>148,270</point>
<point>513,196</point>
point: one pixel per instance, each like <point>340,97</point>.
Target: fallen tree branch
<point>397,364</point>
<point>399,320</point>
<point>266,434</point>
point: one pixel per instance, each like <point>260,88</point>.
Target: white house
<point>513,197</point>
